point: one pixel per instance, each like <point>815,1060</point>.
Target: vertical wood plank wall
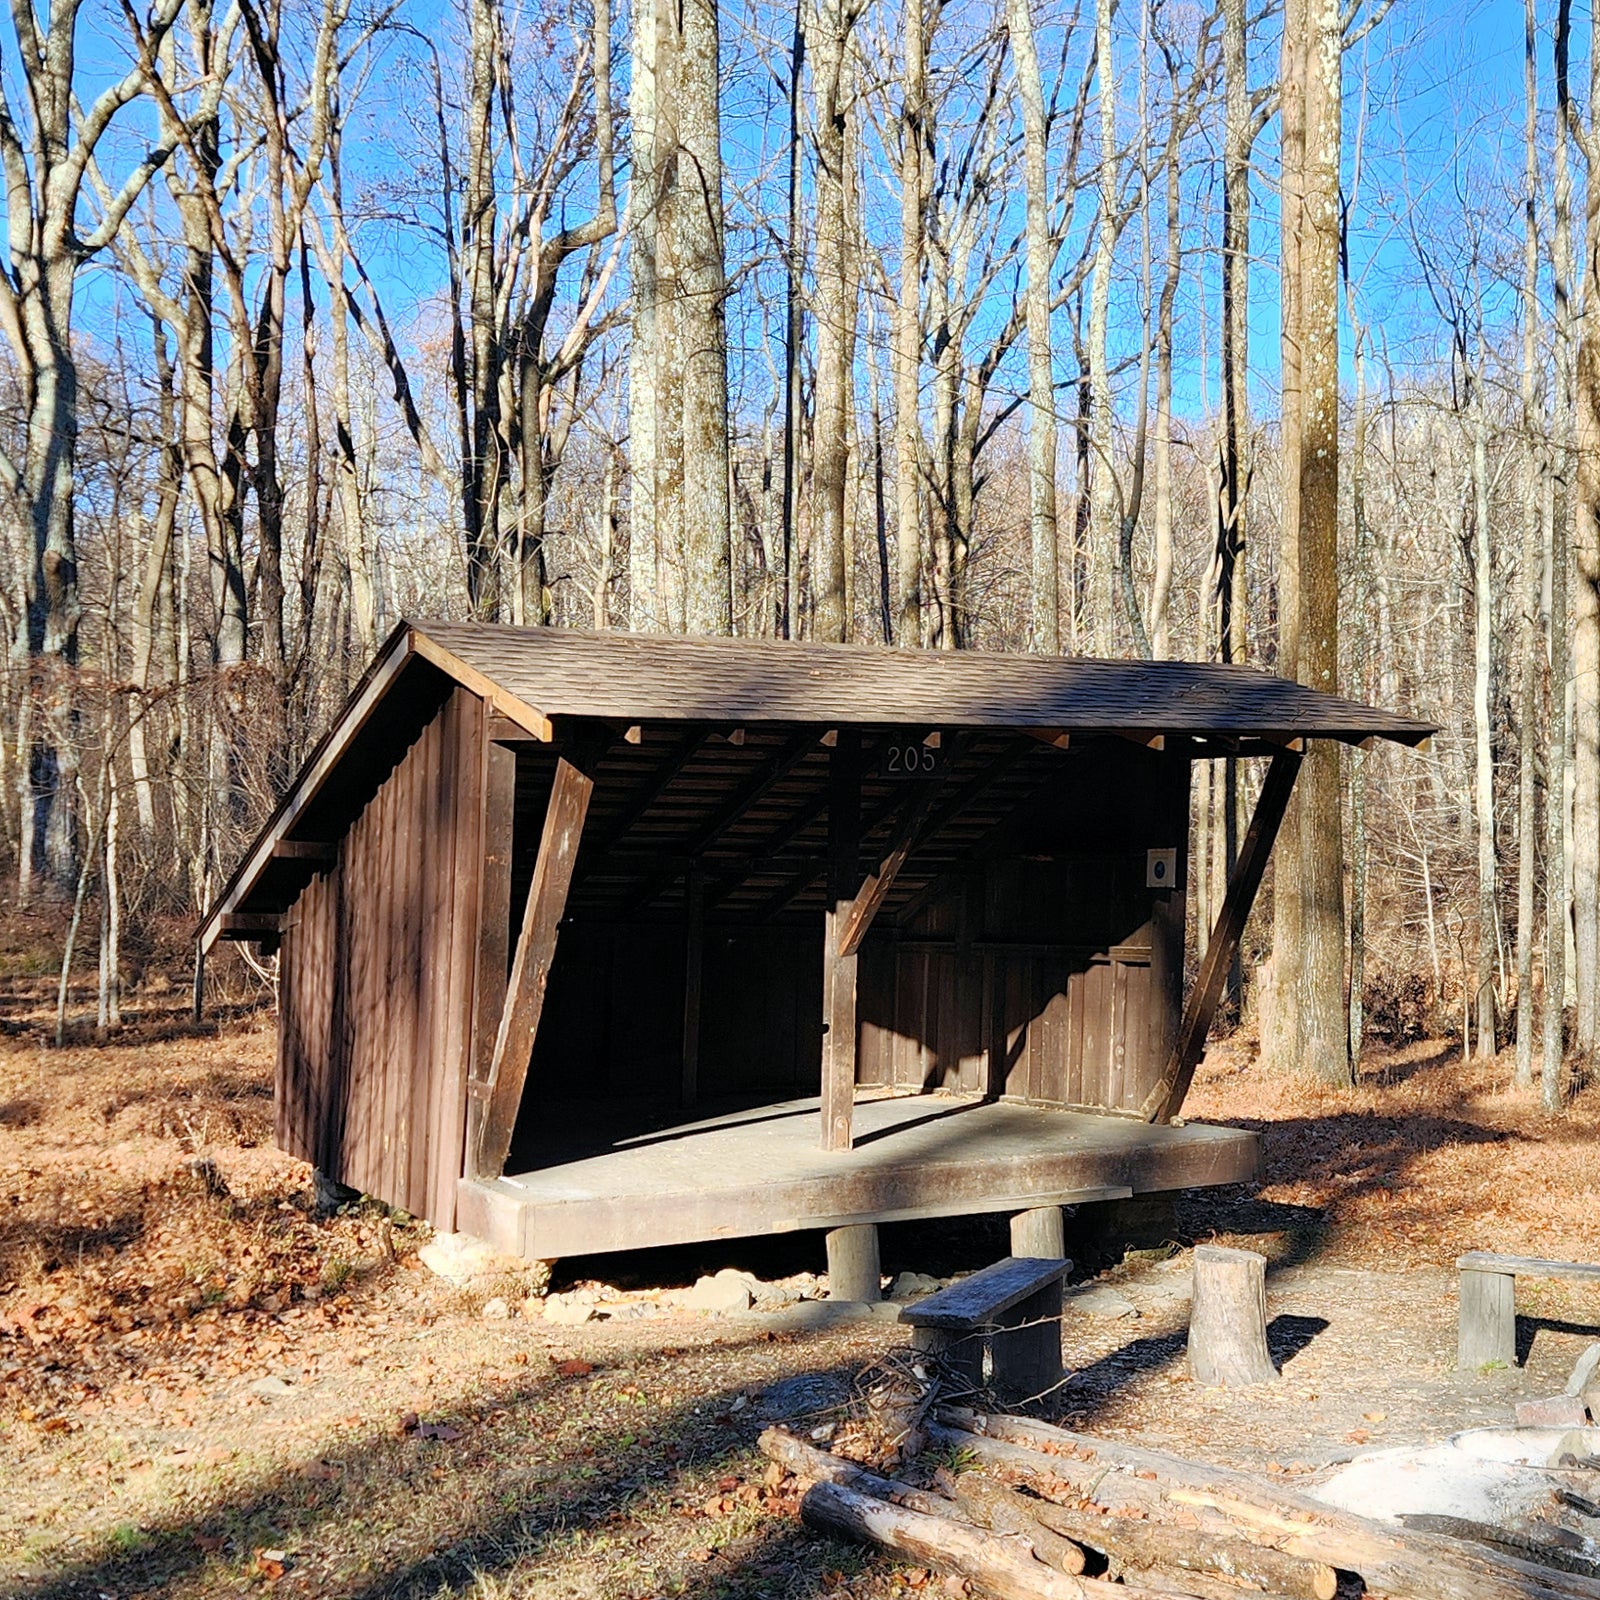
<point>1053,974</point>
<point>376,979</point>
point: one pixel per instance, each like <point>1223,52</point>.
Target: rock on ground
<point>459,1258</point>
<point>725,1291</point>
<point>566,1313</point>
<point>1583,1374</point>
<point>1555,1411</point>
<point>799,1396</point>
<point>1101,1302</point>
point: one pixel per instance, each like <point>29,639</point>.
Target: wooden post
<point>530,969</point>
<point>1228,1320</point>
<point>1165,1100</point>
<point>839,971</point>
<point>693,954</point>
<point>1488,1331</point>
<point>493,964</point>
<point>1039,1234</point>
<point>197,998</point>
<point>854,1270</point>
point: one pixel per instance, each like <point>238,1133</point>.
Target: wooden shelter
<point>597,941</point>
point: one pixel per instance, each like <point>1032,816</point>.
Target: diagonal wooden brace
<point>1166,1099</point>
<point>500,1095</point>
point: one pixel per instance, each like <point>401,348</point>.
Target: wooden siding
<point>1047,972</point>
<point>377,978</point>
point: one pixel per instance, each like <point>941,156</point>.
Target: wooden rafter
<point>778,765</point>
<point>1166,1098</point>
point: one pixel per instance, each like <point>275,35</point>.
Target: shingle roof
<point>566,672</point>
<point>536,676</point>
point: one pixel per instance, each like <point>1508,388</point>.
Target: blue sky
<point>1432,154</point>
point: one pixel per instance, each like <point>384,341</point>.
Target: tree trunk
<point>1105,533</point>
<point>1529,564</point>
<point>1586,611</point>
<point>1553,1051</point>
<point>1483,741</point>
<point>832,92</point>
<point>1238,138</point>
<point>1046,629</point>
<point>1314,57</point>
<point>680,567</point>
<point>794,336</point>
<point>1280,1022</point>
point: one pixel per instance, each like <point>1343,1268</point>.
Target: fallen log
<point>1546,1544</point>
<point>1155,1544</point>
<point>992,1505</point>
<point>821,1466</point>
<point>1197,1585</point>
<point>1001,1563</point>
<point>1420,1566</point>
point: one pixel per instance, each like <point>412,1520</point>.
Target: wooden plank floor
<point>761,1170</point>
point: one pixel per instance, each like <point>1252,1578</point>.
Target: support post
<point>1488,1331</point>
<point>693,958</point>
<point>854,1269</point>
<point>501,1095</point>
<point>1039,1235</point>
<point>1165,1100</point>
<point>197,998</point>
<point>838,970</point>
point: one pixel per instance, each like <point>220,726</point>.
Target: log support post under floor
<point>1039,1234</point>
<point>854,1270</point>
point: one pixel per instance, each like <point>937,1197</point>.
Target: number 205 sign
<point>908,757</point>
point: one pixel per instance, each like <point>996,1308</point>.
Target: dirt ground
<point>207,1390</point>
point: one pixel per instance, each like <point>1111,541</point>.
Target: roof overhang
<point>538,680</point>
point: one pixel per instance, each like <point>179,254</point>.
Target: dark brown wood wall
<point>1044,970</point>
<point>377,975</point>
<point>1049,971</point>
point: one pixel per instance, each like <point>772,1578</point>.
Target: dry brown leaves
<point>1427,1156</point>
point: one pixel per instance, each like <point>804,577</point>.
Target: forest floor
<point>207,1390</point>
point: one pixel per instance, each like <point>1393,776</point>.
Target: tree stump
<point>1228,1319</point>
<point>853,1267</point>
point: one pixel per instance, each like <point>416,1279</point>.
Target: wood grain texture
<point>378,957</point>
<point>976,1300</point>
<point>530,968</point>
<point>1526,1266</point>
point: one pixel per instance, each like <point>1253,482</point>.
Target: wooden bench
<point>1012,1310</point>
<point>1488,1333</point>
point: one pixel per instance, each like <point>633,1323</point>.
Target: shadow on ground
<point>501,1529</point>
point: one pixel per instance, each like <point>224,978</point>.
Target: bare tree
<point>679,569</point>
<point>46,154</point>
